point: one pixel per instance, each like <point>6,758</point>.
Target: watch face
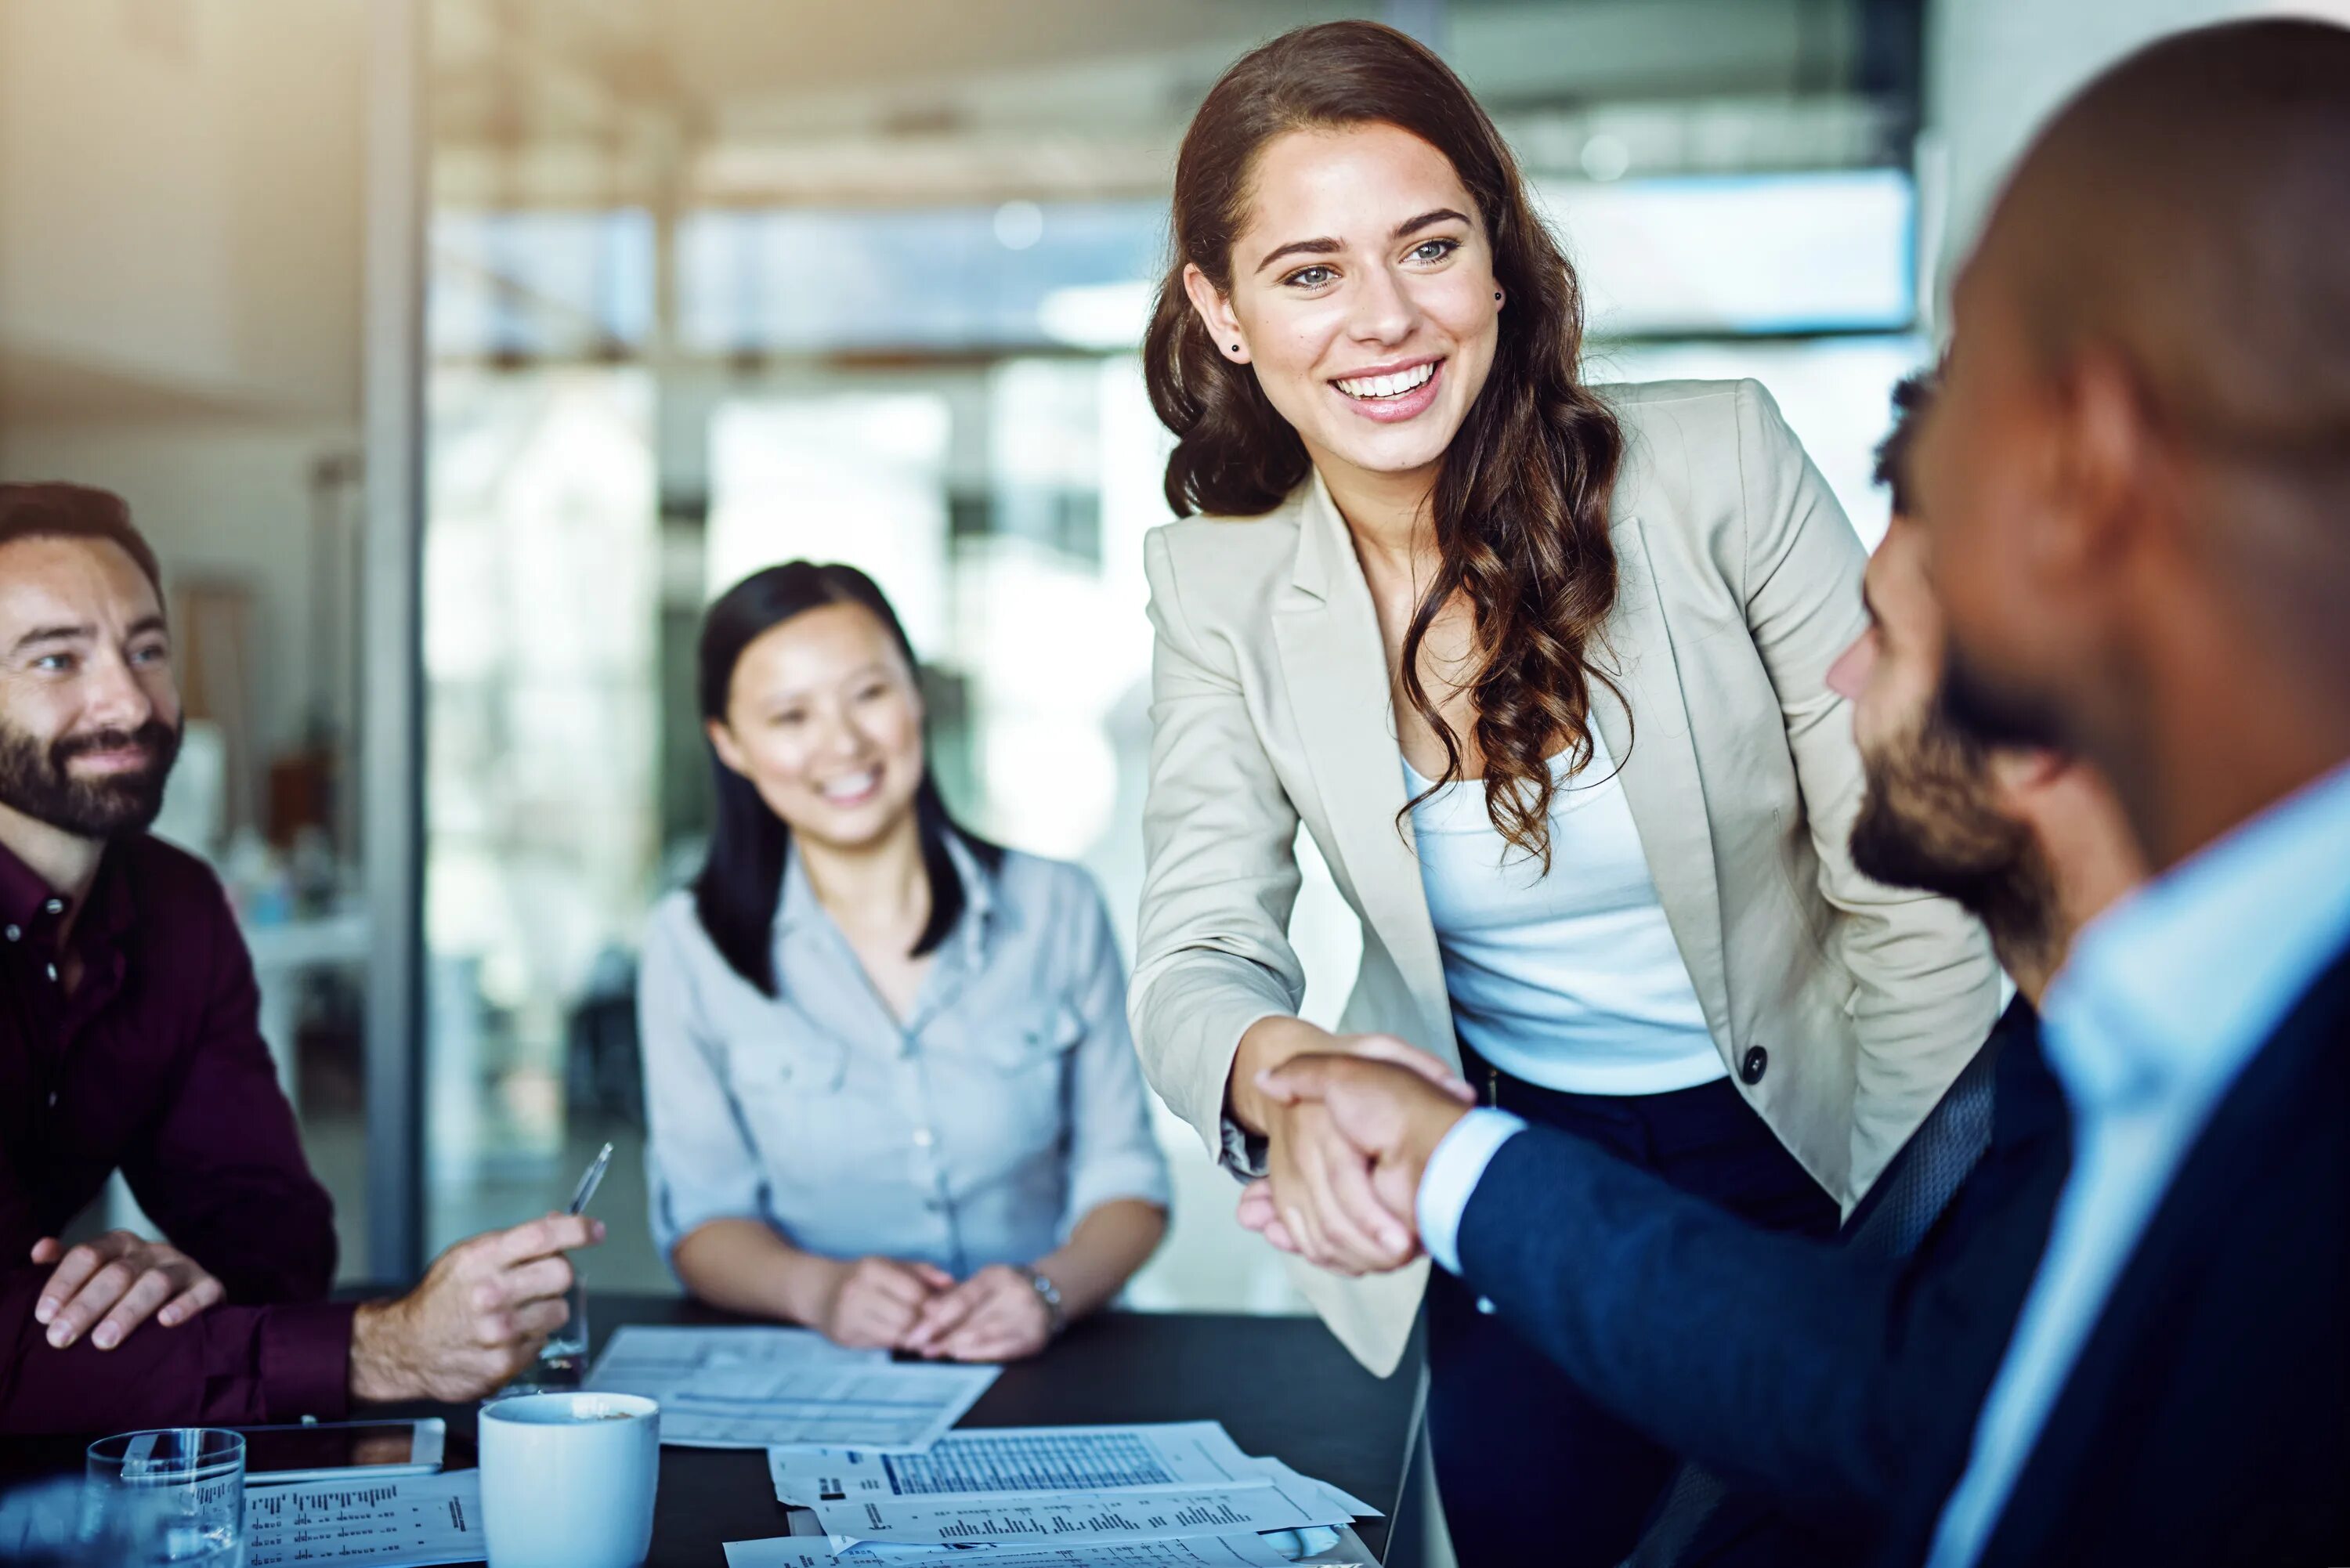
<point>1051,1295</point>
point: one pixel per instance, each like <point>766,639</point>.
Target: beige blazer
<point>1740,583</point>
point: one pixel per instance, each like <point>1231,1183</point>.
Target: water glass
<point>174,1497</point>
<point>564,1358</point>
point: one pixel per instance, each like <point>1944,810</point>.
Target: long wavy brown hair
<point>1520,508</point>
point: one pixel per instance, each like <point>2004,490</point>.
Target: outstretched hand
<point>1389,1119</point>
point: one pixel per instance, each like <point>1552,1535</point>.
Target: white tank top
<point>1571,981</point>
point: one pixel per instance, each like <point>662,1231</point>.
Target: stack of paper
<point>786,1387</point>
<point>1180,1494</point>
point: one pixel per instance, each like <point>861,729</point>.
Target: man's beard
<point>35,780</point>
<point>1927,822</point>
<point>1977,708</point>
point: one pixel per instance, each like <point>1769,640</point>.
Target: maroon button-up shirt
<point>153,1064</point>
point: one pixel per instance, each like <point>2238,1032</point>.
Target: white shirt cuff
<point>1451,1177</point>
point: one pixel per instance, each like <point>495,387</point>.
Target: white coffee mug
<point>567,1480</point>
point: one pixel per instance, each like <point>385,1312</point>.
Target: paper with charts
<point>786,1387</point>
<point>1080,1518</point>
<point>1211,1552</point>
<point>986,1462</point>
<point>993,1462</point>
<point>401,1522</point>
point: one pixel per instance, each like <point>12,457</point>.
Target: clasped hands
<point>1350,1131</point>
<point>884,1303</point>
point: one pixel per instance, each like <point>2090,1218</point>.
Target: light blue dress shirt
<point>978,1130</point>
<point>2163,1002</point>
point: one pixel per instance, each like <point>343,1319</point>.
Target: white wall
<point>181,285</point>
<point>179,194</point>
<point>1997,68</point>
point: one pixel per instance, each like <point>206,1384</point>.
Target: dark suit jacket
<point>1832,1383</point>
<point>2208,1421</point>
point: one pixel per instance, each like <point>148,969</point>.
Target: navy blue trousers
<point>1531,1470</point>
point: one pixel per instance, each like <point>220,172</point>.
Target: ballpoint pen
<point>590,1179</point>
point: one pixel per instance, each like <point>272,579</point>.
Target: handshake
<point>1350,1126</point>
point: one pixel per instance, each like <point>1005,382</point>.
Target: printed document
<point>1080,1518</point>
<point>1002,1461</point>
<point>786,1387</point>
<point>400,1522</point>
<point>991,1461</point>
<point>1208,1551</point>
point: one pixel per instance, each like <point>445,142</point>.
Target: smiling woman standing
<point>889,1086</point>
<point>1542,668</point>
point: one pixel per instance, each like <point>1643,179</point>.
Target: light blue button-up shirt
<point>978,1130</point>
<point>2163,1003</point>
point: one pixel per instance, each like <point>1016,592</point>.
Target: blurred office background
<point>455,352</point>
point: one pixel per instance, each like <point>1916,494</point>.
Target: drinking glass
<point>564,1357</point>
<point>174,1497</point>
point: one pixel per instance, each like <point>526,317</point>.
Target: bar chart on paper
<point>1163,1457</point>
<point>1105,1520</point>
<point>1077,1519</point>
<point>1203,1551</point>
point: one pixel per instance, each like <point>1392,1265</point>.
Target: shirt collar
<point>2176,986</point>
<point>798,904</point>
<point>25,896</point>
<point>28,902</point>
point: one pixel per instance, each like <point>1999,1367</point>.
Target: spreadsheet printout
<point>989,1462</point>
<point>1208,1551</point>
<point>400,1522</point>
<point>780,1388</point>
<point>1079,1519</point>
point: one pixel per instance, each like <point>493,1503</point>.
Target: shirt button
<point>1485,1304</point>
<point>922,1137</point>
<point>53,1099</point>
<point>54,906</point>
<point>53,972</point>
<point>16,933</point>
<point>1749,1071</point>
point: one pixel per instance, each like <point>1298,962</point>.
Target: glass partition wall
<point>700,302</point>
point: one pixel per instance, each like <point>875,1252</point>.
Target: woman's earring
<point>1497,296</point>
<point>1236,348</point>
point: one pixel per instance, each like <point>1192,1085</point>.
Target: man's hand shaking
<point>1391,1119</point>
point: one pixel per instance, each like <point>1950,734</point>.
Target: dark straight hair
<point>743,876</point>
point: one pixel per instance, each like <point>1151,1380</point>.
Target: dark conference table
<point>1280,1385</point>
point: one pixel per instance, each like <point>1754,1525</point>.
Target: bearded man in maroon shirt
<point>129,1040</point>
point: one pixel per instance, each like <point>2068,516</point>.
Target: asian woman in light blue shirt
<point>890,1088</point>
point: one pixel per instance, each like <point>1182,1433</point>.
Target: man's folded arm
<point>230,1366</point>
<point>1759,1356</point>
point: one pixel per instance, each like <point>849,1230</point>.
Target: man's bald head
<point>2190,212</point>
<point>2137,474</point>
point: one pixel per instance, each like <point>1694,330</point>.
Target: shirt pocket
<point>1026,1040</point>
<point>787,1090</point>
<point>1010,1078</point>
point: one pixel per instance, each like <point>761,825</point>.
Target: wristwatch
<point>1055,1316</point>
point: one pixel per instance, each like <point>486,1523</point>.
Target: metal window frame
<point>392,737</point>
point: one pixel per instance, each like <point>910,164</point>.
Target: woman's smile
<point>853,789</point>
<point>1393,394</point>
